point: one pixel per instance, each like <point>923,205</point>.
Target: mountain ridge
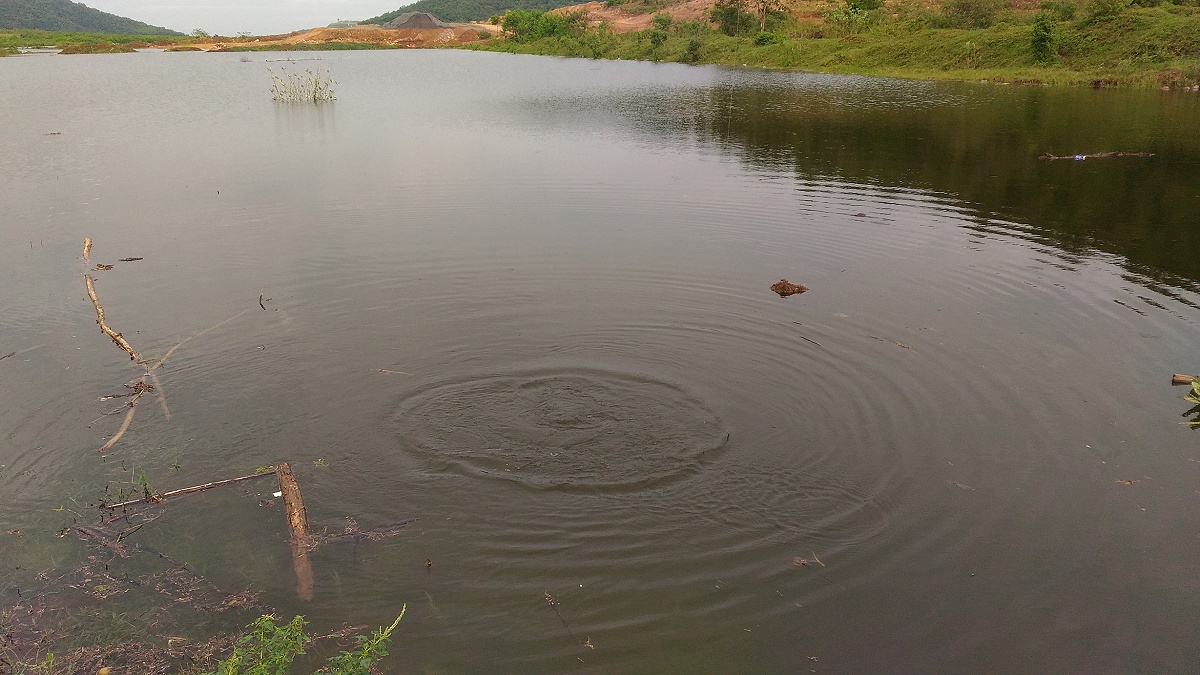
<point>64,15</point>
<point>469,10</point>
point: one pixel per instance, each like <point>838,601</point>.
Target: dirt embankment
<point>456,34</point>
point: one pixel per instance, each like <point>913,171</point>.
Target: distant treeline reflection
<point>979,146</point>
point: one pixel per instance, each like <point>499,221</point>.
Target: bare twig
<point>898,344</point>
<point>87,247</point>
<point>116,337</point>
<point>158,390</point>
<point>392,372</point>
<point>7,355</point>
<point>188,490</point>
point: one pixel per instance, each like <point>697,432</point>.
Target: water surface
<point>598,397</point>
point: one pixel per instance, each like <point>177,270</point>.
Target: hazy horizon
<point>264,17</point>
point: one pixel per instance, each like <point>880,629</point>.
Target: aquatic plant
<point>1194,397</point>
<point>301,87</point>
<point>269,649</point>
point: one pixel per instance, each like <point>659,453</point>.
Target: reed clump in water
<point>302,87</point>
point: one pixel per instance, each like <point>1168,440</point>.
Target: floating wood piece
<point>785,288</point>
<point>116,337</point>
<point>298,522</point>
<point>374,534</point>
<point>1182,379</point>
<point>87,247</point>
<point>189,490</point>
<point>7,355</point>
<point>1096,155</point>
<point>105,539</point>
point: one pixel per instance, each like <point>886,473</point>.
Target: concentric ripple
<point>565,428</point>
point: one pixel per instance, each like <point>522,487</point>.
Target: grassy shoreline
<point>1136,47</point>
<point>1122,46</point>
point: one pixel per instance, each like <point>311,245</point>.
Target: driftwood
<point>7,355</point>
<point>116,337</point>
<point>372,535</point>
<point>298,522</point>
<point>188,490</point>
<point>87,247</point>
<point>1096,155</point>
<point>1183,379</point>
<point>103,538</point>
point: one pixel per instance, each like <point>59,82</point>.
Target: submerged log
<point>298,522</point>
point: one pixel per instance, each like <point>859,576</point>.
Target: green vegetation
<point>305,47</point>
<point>302,87</point>
<point>1106,43</point>
<point>269,649</point>
<point>469,10</point>
<point>64,15</point>
<point>81,43</point>
<point>1194,397</point>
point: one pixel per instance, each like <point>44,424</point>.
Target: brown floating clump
<point>785,288</point>
<point>1182,379</point>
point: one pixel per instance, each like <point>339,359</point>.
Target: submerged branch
<point>188,490</point>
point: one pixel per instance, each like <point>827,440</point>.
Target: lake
<point>526,301</point>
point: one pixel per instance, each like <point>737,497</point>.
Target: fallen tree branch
<point>1096,155</point>
<point>1183,379</point>
<point>158,390</point>
<point>87,247</point>
<point>373,535</point>
<point>116,337</point>
<point>188,490</point>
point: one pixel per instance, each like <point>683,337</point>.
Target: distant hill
<point>64,15</point>
<point>469,10</point>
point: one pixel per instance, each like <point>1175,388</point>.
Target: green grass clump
<point>269,648</point>
<point>302,87</point>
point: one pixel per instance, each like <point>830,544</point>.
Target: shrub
<point>731,17</point>
<point>527,26</point>
<point>1060,10</point>
<point>767,38</point>
<point>1042,43</point>
<point>693,50</point>
<point>972,13</point>
<point>657,38</point>
<point>662,21</point>
<point>846,19</point>
<point>1100,10</point>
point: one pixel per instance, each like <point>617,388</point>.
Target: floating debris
<point>1095,155</point>
<point>785,288</point>
<point>130,259</point>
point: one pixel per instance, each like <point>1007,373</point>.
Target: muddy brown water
<point>604,401</point>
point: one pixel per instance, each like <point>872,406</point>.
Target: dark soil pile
<point>415,20</point>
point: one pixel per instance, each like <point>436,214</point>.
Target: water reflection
<point>300,122</point>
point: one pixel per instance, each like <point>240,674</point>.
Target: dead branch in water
<point>116,337</point>
<point>1182,379</point>
<point>7,355</point>
<point>298,522</point>
<point>898,344</point>
<point>1095,155</point>
<point>352,535</point>
<point>385,371</point>
<point>554,604</point>
<point>158,391</point>
<point>87,247</point>
<point>188,490</point>
<point>171,351</point>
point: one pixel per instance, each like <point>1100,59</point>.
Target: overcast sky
<point>229,17</point>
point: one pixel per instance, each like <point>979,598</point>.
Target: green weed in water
<point>301,87</point>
